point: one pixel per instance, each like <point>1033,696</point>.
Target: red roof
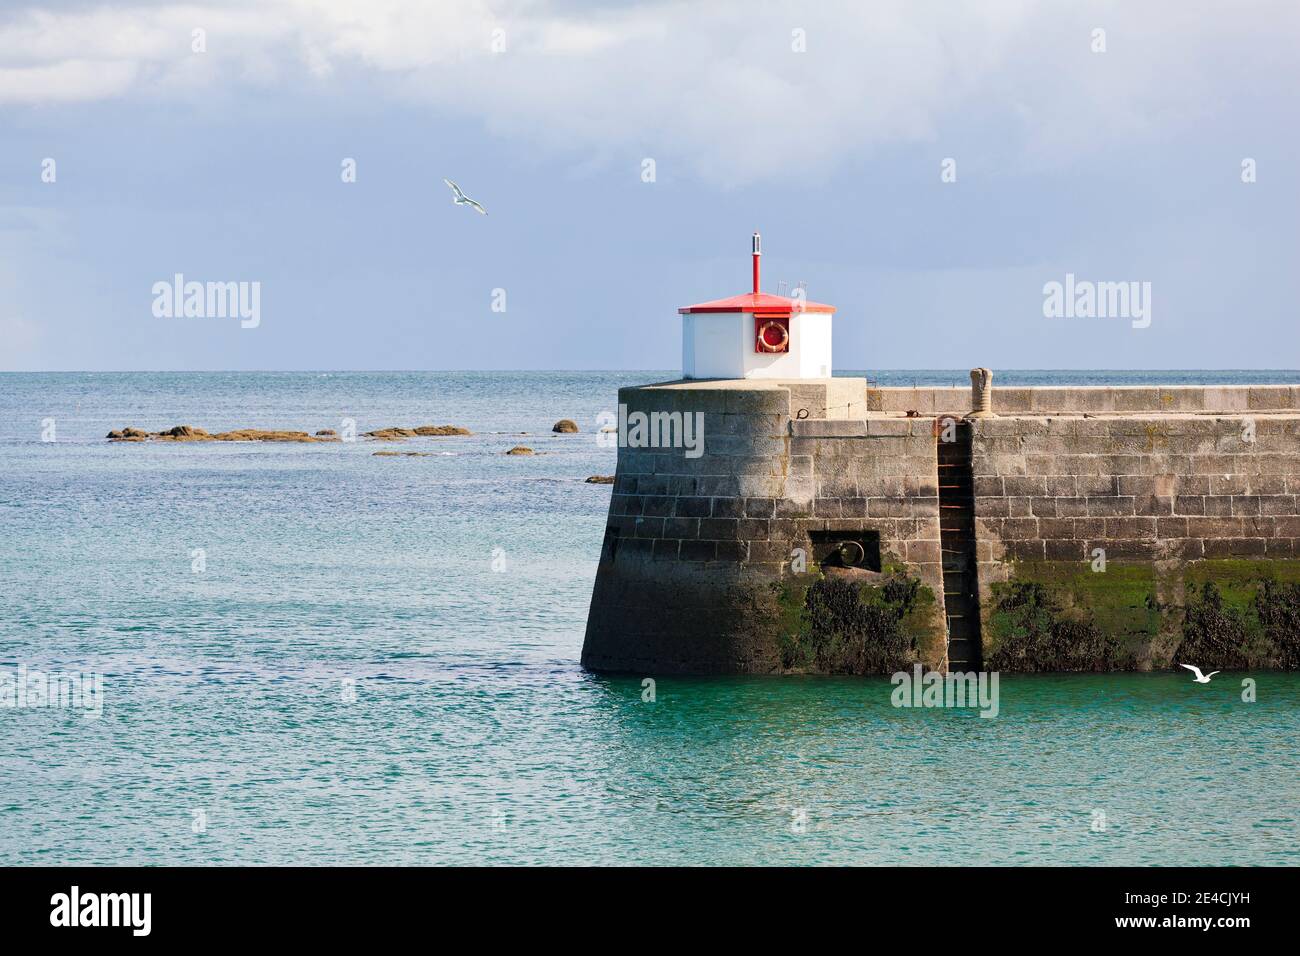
<point>758,302</point>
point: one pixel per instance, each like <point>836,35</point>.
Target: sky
<point>927,167</point>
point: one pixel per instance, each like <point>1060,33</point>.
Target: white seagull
<point>1200,678</point>
<point>460,199</point>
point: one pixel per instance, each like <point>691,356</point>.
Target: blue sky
<point>1122,165</point>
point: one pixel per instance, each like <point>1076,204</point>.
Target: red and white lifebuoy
<point>764,345</point>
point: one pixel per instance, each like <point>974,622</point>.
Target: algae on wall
<point>1054,616</point>
<point>1232,635</point>
<point>836,625</point>
<point>1215,636</point>
<point>1241,614</point>
<point>1062,615</point>
<point>1278,610</point>
<point>1037,634</point>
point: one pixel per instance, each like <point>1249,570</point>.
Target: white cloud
<point>66,81</point>
<point>716,87</point>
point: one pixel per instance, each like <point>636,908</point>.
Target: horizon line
<point>403,371</point>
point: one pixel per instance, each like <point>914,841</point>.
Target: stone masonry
<point>1163,480</point>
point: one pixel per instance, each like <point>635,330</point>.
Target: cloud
<point>66,81</point>
<point>717,88</point>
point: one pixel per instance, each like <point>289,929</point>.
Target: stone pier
<point>1100,516</point>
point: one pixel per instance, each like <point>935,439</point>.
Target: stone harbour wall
<point>693,545</point>
<point>727,562</point>
<point>1168,503</point>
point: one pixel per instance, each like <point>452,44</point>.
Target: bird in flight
<point>1200,678</point>
<point>460,199</point>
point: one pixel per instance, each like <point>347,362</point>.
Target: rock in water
<point>257,434</point>
<point>184,432</point>
<point>397,433</point>
<point>521,450</point>
<point>600,480</point>
<point>440,430</point>
<point>190,433</point>
<point>565,426</point>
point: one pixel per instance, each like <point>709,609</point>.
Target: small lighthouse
<point>757,335</point>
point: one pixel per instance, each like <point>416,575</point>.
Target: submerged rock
<point>396,433</point>
<point>256,434</point>
<point>565,426</point>
<point>403,454</point>
<point>190,433</point>
<point>185,433</point>
<point>521,450</point>
<point>600,480</point>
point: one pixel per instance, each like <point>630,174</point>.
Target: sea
<point>310,654</point>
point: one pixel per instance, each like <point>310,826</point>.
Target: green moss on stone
<point>1118,603</point>
<point>1036,632</point>
<point>790,601</point>
<point>1277,607</point>
<point>839,626</point>
<point>1216,635</point>
<point>1239,580</point>
<point>1220,613</point>
<point>1242,614</point>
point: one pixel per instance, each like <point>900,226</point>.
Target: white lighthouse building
<point>756,335</point>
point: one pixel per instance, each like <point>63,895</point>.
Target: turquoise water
<point>474,736</point>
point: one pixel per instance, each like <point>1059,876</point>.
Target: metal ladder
<point>957,543</point>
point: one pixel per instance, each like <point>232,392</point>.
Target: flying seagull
<point>460,199</point>
<point>1200,678</point>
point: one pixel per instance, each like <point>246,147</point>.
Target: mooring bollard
<point>981,393</point>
